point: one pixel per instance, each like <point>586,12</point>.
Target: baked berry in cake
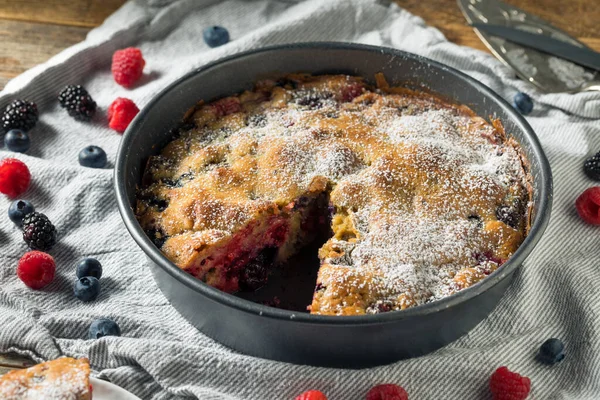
<point>420,197</point>
<point>60,379</point>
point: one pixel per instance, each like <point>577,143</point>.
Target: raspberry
<point>127,66</point>
<point>38,231</point>
<point>20,114</point>
<point>507,385</point>
<point>78,102</point>
<point>120,113</point>
<point>588,205</point>
<point>36,269</point>
<point>352,90</point>
<point>226,106</point>
<point>387,391</point>
<point>14,177</point>
<point>312,395</point>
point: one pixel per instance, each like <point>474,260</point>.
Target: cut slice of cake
<point>61,379</point>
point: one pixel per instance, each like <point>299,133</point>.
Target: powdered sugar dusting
<point>61,379</point>
<point>415,183</point>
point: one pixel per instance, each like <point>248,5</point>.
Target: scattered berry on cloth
<point>103,327</point>
<point>591,167</point>
<point>20,114</point>
<point>38,231</point>
<point>92,157</point>
<point>78,102</point>
<point>215,36</point>
<point>507,385</point>
<point>311,395</point>
<point>387,391</point>
<point>120,114</point>
<point>127,66</point>
<point>523,103</point>
<point>19,209</point>
<point>36,269</point>
<point>551,351</point>
<point>17,140</point>
<point>86,288</point>
<point>588,205</point>
<point>14,177</point>
<point>89,267</point>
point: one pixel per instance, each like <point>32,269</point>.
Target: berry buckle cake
<point>61,379</point>
<point>420,197</point>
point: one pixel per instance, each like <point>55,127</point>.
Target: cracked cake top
<point>427,197</point>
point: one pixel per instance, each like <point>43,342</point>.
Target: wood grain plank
<point>25,44</point>
<point>578,18</point>
<point>85,13</point>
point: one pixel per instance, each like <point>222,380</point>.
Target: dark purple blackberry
<point>310,100</point>
<point>384,306</point>
<point>38,231</point>
<point>508,215</point>
<point>257,120</point>
<point>20,114</point>
<point>78,102</point>
<point>591,167</point>
<point>157,236</point>
<point>255,273</point>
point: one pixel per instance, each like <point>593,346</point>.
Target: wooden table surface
<point>32,31</point>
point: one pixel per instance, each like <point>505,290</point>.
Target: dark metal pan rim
<point>537,228</point>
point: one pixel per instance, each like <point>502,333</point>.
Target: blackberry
<point>255,273</point>
<point>591,167</point>
<point>78,102</point>
<point>38,231</point>
<point>508,215</point>
<point>20,114</point>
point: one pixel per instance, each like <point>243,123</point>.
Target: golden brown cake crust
<point>60,379</point>
<point>427,197</point>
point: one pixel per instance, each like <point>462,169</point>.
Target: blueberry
<point>215,36</point>
<point>89,267</point>
<point>86,288</point>
<point>103,327</point>
<point>17,140</point>
<point>18,209</point>
<point>551,351</point>
<point>523,103</point>
<point>92,157</point>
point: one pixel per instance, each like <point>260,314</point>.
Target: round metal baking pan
<point>353,341</point>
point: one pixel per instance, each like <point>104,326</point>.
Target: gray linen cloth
<point>160,355</point>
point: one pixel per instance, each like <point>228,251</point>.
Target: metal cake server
<point>547,72</point>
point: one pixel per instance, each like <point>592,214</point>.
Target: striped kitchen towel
<point>160,355</point>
